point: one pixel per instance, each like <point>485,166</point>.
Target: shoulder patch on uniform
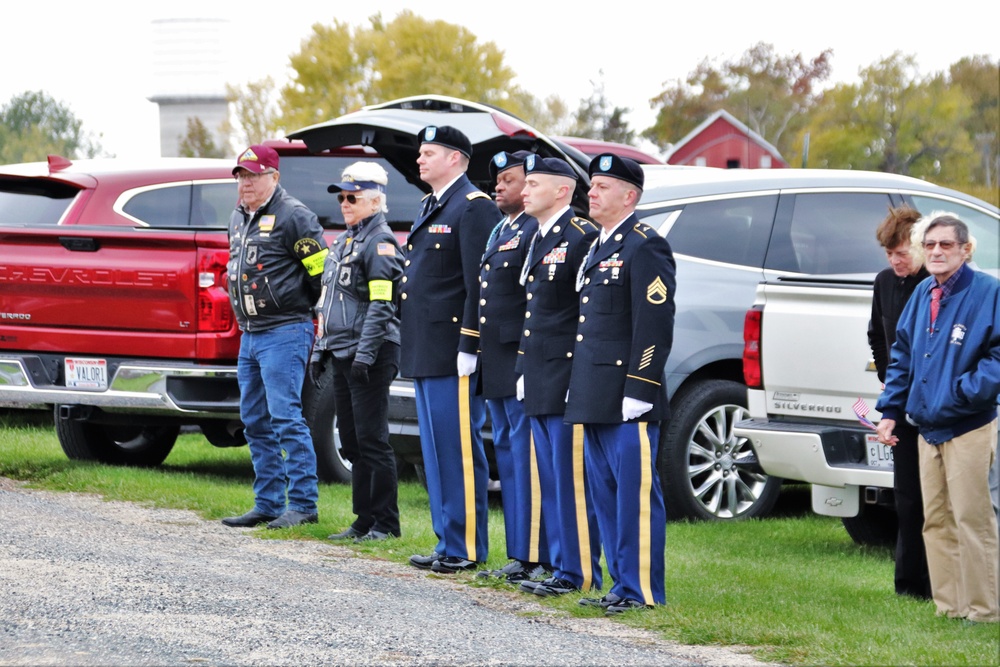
<point>583,225</point>
<point>643,229</point>
<point>478,194</point>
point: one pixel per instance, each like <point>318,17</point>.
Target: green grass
<point>792,589</point>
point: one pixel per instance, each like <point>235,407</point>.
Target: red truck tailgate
<point>109,291</point>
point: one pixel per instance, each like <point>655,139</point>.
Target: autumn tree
<point>198,142</point>
<point>341,68</point>
<point>894,121</point>
<point>33,125</point>
<point>597,119</point>
<point>979,78</point>
<point>255,108</point>
<point>772,94</point>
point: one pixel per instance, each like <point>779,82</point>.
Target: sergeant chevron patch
<point>656,293</point>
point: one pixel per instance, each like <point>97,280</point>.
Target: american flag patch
<point>386,249</point>
<point>861,411</point>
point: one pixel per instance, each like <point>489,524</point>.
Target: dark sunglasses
<point>351,199</point>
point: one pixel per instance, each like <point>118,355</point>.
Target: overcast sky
<point>96,56</point>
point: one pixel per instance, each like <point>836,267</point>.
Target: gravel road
<point>89,582</point>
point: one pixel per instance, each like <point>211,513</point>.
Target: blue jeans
<point>271,369</point>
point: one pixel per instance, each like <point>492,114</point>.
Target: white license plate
<point>879,455</point>
<point>86,373</point>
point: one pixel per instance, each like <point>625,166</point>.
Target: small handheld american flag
<point>861,409</point>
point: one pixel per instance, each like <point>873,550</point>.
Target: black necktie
<point>429,205</point>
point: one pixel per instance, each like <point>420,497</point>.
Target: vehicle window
<point>982,226</point>
<point>734,231</point>
<point>307,177</point>
<point>212,204</point>
<point>34,203</point>
<point>829,233</point>
<point>161,207</point>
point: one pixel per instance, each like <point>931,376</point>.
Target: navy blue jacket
<point>626,327</point>
<point>546,353</point>
<point>439,295</point>
<point>946,378</point>
<point>501,307</point>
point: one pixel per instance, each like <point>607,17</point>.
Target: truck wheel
<point>320,413</point>
<point>874,525</point>
<point>117,444</point>
<point>706,471</point>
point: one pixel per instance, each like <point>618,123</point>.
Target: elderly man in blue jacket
<point>944,378</point>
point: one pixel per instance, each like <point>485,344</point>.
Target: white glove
<point>520,387</point>
<point>466,364</point>
<point>632,408</point>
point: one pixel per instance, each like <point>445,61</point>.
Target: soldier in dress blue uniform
<point>545,359</point>
<point>501,316</point>
<point>617,389</point>
<point>439,328</point>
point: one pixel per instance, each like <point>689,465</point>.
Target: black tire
<point>117,444</point>
<point>707,473</point>
<point>875,525</point>
<point>320,413</point>
<point>224,433</point>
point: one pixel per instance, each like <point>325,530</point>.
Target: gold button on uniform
<point>454,319</point>
<point>527,314</point>
<point>483,320</point>
<point>579,336</point>
<point>583,319</point>
<point>406,263</point>
<point>527,332</point>
<point>486,266</point>
<point>403,296</point>
<point>618,363</point>
<point>482,302</point>
<point>586,299</point>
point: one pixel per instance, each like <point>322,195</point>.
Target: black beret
<point>503,161</point>
<point>616,166</point>
<point>448,137</point>
<point>536,164</point>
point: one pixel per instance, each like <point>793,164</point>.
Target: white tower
<point>190,63</point>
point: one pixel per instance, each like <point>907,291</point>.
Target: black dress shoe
<point>453,564</point>
<point>292,518</point>
<point>603,602</point>
<point>532,571</point>
<point>373,536</point>
<point>350,534</point>
<point>424,562</point>
<point>554,586</point>
<point>513,567</point>
<point>622,606</point>
<point>248,520</point>
<point>529,585</point>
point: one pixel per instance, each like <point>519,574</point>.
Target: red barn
<point>723,141</point>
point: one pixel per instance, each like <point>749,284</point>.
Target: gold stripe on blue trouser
<point>468,466</point>
<point>580,493</point>
<point>645,528</point>
<point>536,503</point>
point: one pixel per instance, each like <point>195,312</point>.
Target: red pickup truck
<point>113,305</point>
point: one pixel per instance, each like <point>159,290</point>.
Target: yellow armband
<point>380,290</point>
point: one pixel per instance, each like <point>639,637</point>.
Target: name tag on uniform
<point>555,256</point>
<point>439,229</point>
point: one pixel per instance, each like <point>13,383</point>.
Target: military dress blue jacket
<point>626,326</point>
<point>546,353</point>
<point>439,294</point>
<point>501,307</point>
<point>946,377</point>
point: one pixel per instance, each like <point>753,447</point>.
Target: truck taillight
<point>752,374</point>
<point>214,311</point>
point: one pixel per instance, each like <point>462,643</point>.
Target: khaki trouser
<point>960,529</point>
